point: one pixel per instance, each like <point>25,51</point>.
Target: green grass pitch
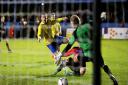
<point>31,63</point>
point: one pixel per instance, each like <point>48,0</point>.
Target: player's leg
<point>60,67</point>
<point>71,65</point>
<point>82,70</point>
<point>68,62</point>
<point>108,71</point>
<point>7,45</point>
<point>78,63</point>
<point>82,60</point>
<point>74,51</point>
<point>58,40</point>
<point>4,35</point>
<point>76,67</point>
<point>53,47</point>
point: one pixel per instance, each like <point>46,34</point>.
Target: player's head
<point>2,19</point>
<point>47,17</point>
<point>43,17</point>
<point>53,17</point>
<point>75,21</point>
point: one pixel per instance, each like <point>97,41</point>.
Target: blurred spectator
<point>31,26</point>
<point>24,27</point>
<point>7,25</point>
<point>2,23</point>
<point>11,31</point>
<point>17,28</point>
<point>3,33</point>
<point>35,28</point>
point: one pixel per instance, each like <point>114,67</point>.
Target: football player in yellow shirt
<point>49,29</point>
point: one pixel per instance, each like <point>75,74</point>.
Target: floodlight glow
<point>42,3</point>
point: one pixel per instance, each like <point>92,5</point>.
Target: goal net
<point>25,61</point>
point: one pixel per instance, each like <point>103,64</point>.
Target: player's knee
<point>82,70</point>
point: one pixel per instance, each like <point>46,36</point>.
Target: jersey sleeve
<point>72,40</point>
<point>60,19</point>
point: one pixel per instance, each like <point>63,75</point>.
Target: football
<point>103,15</point>
<point>62,81</point>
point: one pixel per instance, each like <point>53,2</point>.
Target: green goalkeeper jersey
<point>81,35</point>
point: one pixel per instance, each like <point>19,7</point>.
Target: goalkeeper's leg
<point>108,71</point>
<point>77,69</point>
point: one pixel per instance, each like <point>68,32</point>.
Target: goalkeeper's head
<point>75,21</point>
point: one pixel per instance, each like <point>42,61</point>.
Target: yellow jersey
<point>48,31</point>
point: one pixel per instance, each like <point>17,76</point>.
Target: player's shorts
<point>3,36</point>
<point>83,59</point>
<point>54,46</point>
<point>59,39</point>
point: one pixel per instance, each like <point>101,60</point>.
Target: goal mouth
<point>22,57</point>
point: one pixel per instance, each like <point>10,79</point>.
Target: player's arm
<point>70,43</point>
<point>72,39</point>
<point>39,34</point>
<point>61,19</point>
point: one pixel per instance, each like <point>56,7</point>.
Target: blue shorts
<point>59,39</point>
<point>54,46</point>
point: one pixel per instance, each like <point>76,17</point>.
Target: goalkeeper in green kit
<point>81,35</point>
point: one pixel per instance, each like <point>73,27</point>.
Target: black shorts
<point>83,59</point>
<point>3,36</point>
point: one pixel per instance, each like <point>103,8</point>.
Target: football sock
<point>107,70</point>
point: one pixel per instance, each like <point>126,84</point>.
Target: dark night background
<point>34,7</point>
